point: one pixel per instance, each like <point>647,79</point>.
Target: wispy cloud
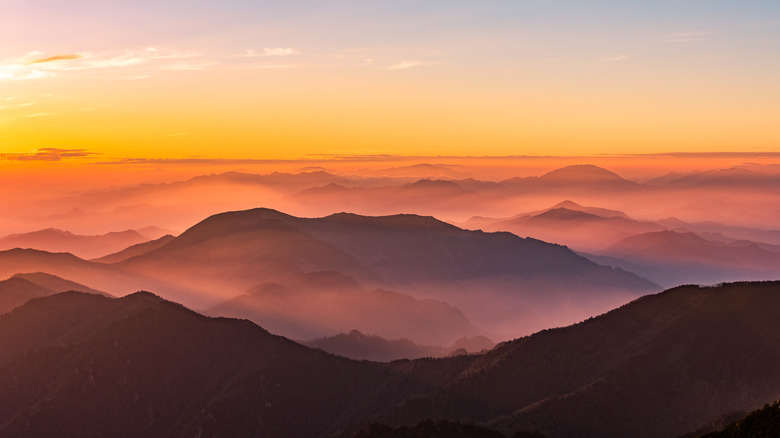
<point>55,58</point>
<point>35,65</point>
<point>614,58</point>
<point>39,115</point>
<point>403,65</point>
<point>48,154</point>
<point>687,37</point>
<point>21,72</point>
<point>276,51</point>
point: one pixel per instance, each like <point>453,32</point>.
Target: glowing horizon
<point>241,81</point>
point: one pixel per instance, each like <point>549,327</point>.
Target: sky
<point>134,81</point>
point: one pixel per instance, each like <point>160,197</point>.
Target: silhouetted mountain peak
<point>144,296</point>
<point>233,222</point>
<point>603,212</point>
<point>568,204</point>
<point>581,173</point>
<point>397,221</point>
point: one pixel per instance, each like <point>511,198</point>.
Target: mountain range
<point>359,346</point>
<point>76,364</point>
<point>668,252</point>
<point>53,240</point>
<point>538,284</point>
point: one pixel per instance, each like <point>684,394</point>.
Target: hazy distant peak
<point>581,172</point>
<point>598,211</point>
<point>677,235</point>
<point>568,204</point>
<point>434,184</point>
<point>43,232</point>
<point>327,188</point>
<point>566,213</point>
<point>30,252</point>
<point>54,283</point>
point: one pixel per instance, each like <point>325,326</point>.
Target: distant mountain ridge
<point>21,288</point>
<point>54,240</point>
<point>359,346</point>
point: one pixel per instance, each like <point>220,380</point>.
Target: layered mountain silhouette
<point>659,366</point>
<point>328,302</point>
<point>568,223</point>
<point>100,276</point>
<point>76,364</point>
<point>732,178</point>
<point>442,197</point>
<point>669,252</point>
<point>53,240</point>
<point>671,257</point>
<point>141,366</point>
<point>573,179</point>
<point>537,284</point>
<point>16,291</point>
<point>359,346</point>
<point>20,288</point>
<point>135,250</point>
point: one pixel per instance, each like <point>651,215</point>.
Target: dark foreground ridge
<point>761,423</point>
<point>77,364</point>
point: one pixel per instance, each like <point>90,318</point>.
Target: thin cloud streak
<point>55,58</point>
<point>687,37</point>
<point>403,65</point>
<point>48,154</point>
<point>614,59</point>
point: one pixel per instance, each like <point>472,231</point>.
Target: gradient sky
<point>106,80</point>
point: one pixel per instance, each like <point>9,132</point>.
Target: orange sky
<point>235,80</point>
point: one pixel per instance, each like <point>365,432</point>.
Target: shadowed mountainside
<point>659,366</point>
<point>94,366</point>
<point>761,423</point>
<point>87,365</point>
